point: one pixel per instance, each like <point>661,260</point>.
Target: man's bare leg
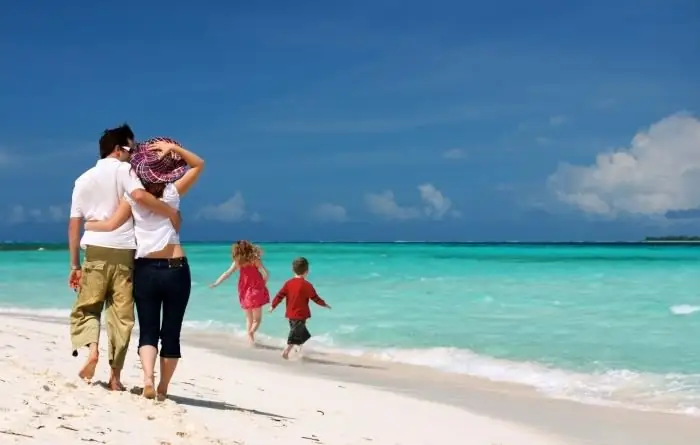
<point>167,370</point>
<point>87,372</point>
<point>115,380</point>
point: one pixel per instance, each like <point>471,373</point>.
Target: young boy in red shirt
<point>298,292</point>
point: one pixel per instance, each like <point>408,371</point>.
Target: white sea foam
<point>684,309</point>
<point>677,393</point>
<point>49,313</point>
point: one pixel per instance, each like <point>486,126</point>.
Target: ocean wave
<point>677,393</point>
<point>684,309</point>
<point>48,313</point>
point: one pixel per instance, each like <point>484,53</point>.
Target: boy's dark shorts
<point>298,333</point>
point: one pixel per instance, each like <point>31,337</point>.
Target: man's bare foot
<point>87,372</point>
<point>116,385</point>
<point>115,382</point>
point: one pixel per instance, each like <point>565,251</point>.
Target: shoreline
<point>210,337</point>
<point>569,422</point>
<point>216,399</point>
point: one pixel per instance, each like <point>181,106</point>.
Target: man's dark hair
<point>115,137</point>
<point>124,133</point>
<point>300,266</point>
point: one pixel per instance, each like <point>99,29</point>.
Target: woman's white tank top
<point>153,231</point>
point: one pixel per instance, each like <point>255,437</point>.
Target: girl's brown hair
<point>245,253</point>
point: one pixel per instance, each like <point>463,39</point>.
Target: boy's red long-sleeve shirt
<point>298,292</point>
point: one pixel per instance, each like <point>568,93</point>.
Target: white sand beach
<point>215,400</point>
<point>257,398</point>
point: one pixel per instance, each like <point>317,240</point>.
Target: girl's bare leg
<point>255,325</point>
<point>249,325</point>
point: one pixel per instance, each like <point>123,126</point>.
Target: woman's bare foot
<point>149,390</point>
<point>162,393</point>
<point>87,372</point>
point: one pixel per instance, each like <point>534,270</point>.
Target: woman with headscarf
<point>161,276</point>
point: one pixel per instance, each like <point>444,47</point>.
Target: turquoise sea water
<point>615,324</point>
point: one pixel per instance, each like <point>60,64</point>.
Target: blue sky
<point>364,120</point>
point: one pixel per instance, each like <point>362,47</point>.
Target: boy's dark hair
<point>113,137</point>
<point>300,266</point>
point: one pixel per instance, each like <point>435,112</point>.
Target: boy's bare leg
<point>87,372</point>
<point>285,352</point>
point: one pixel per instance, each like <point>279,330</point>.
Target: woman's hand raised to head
<point>163,147</point>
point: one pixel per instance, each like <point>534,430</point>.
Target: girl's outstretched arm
<point>225,276</point>
<point>263,270</point>
<point>119,217</point>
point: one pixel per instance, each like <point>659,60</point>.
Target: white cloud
<point>455,153</point>
<point>5,158</point>
<point>435,205</point>
<point>658,173</point>
<point>557,120</point>
<point>19,214</point>
<point>384,204</point>
<point>328,212</point>
<point>233,209</point>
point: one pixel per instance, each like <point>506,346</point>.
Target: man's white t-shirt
<point>96,196</point>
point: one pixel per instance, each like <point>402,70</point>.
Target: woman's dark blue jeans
<point>166,284</point>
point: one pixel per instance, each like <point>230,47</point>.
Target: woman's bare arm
<point>119,217</point>
<point>194,162</point>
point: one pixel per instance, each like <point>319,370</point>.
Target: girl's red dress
<point>252,290</point>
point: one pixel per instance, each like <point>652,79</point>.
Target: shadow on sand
<point>319,361</point>
<point>212,404</point>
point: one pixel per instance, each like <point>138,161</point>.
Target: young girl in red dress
<point>252,283</point>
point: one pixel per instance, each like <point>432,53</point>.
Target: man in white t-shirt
<point>104,279</point>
